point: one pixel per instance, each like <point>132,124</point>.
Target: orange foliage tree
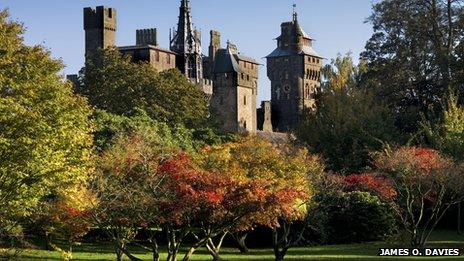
<point>428,184</point>
<point>283,175</point>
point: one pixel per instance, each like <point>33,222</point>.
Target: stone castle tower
<point>235,87</point>
<point>294,70</point>
<point>100,28</point>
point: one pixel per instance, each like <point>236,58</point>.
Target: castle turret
<point>294,70</point>
<point>100,29</point>
<point>235,90</point>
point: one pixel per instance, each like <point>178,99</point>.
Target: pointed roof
<point>184,40</point>
<point>225,61</point>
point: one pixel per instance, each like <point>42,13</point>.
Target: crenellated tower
<point>186,42</point>
<point>100,29</point>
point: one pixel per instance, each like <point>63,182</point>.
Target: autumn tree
<point>284,172</point>
<point>377,185</point>
<point>128,186</point>
<point>427,183</point>
<point>64,221</point>
<point>112,82</point>
<point>349,122</point>
<point>45,131</point>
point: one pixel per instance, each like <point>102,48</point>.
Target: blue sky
<point>337,25</point>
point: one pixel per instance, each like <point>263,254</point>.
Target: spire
<point>186,43</point>
<point>183,40</point>
<point>295,14</point>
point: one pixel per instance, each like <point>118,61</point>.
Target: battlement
<point>146,37</point>
<point>206,85</point>
<point>100,17</point>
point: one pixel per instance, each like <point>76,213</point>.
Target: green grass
<point>362,252</point>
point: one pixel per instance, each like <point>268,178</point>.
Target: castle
<point>228,78</point>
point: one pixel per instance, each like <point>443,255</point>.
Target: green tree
<point>45,131</point>
<point>349,122</point>
<point>110,127</point>
<point>114,83</point>
<point>448,135</point>
<point>413,55</point>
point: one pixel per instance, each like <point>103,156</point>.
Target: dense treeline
<point>133,153</point>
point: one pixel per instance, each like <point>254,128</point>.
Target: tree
<point>349,122</point>
<point>59,219</point>
<point>110,127</point>
<point>376,185</point>
<point>448,134</point>
<point>128,188</point>
<point>413,56</point>
<point>284,172</point>
<point>341,73</point>
<point>427,183</point>
<point>45,131</point>
<point>369,218</point>
<point>112,82</point>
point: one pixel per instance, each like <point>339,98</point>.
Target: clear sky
<point>336,25</point>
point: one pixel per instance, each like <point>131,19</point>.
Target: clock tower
<point>294,70</point>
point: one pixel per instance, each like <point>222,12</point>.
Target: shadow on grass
<point>363,252</point>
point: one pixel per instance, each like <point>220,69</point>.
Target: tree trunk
<point>47,241</point>
<point>459,219</point>
<point>129,255</point>
<point>279,256</point>
<point>240,238</point>
<point>189,254</point>
<point>118,251</point>
<point>214,249</point>
<point>155,250</point>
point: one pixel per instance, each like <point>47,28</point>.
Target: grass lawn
<point>367,251</point>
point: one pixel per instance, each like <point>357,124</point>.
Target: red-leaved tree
<point>428,184</point>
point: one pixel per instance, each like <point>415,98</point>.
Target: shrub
<point>341,217</point>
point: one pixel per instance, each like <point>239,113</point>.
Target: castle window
<point>314,60</point>
<point>244,100</point>
<point>243,76</point>
<point>168,57</point>
<point>248,77</point>
<point>110,13</point>
<point>157,56</point>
